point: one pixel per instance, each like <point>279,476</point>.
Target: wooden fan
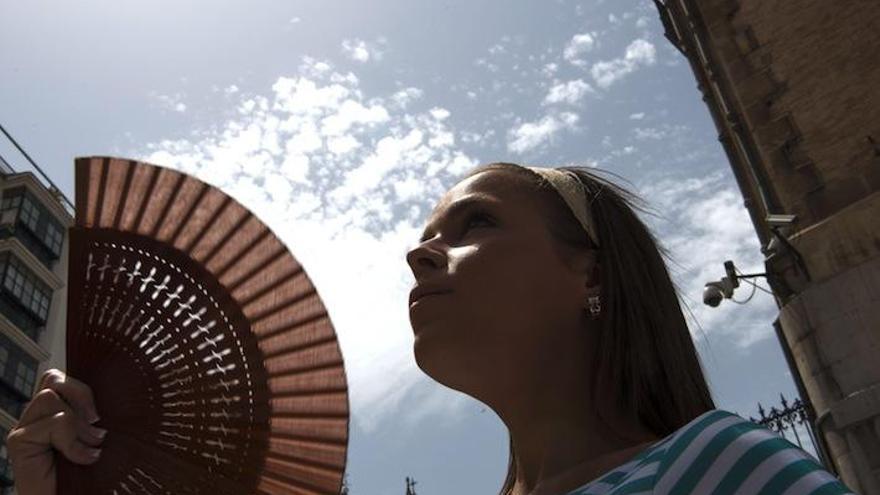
<point>214,365</point>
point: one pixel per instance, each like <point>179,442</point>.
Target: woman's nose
<point>424,258</point>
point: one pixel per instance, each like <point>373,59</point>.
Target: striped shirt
<point>719,453</point>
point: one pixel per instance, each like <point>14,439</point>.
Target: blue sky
<point>340,123</point>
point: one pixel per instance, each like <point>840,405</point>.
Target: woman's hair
<point>644,348</point>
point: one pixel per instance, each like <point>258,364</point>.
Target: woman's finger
<point>47,403</point>
<point>30,447</point>
<point>73,391</point>
<point>59,431</point>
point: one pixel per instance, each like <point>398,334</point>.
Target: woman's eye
<point>477,218</point>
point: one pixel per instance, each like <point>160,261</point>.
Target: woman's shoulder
<point>720,452</point>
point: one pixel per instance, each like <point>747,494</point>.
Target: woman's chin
<point>442,366</point>
<point>432,359</point>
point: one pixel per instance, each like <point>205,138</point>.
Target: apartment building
<point>33,271</point>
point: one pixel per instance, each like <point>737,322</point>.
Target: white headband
<point>569,186</point>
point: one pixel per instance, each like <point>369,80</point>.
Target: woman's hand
<point>59,416</point>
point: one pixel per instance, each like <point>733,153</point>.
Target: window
<point>25,375</point>
<point>29,215</point>
<point>38,230</point>
<point>54,237</point>
<point>21,285</point>
<point>9,201</point>
<point>17,377</point>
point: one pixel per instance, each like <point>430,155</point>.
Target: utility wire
<point>754,285</point>
<point>37,167</point>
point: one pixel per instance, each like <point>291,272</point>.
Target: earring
<point>595,306</point>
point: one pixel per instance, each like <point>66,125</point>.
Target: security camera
<point>780,220</point>
<point>714,292</point>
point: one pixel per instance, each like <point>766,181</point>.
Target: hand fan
<point>214,364</point>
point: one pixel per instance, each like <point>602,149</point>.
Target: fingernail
<point>95,419</point>
<point>94,453</point>
<point>100,432</point>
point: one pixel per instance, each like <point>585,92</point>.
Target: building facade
<point>793,90</point>
<point>33,270</point>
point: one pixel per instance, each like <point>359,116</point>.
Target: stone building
<point>33,271</point>
<point>794,90</point>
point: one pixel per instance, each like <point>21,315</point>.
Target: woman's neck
<point>559,439</point>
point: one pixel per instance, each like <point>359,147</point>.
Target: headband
<point>569,186</point>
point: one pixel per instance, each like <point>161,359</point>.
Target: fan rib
<point>129,174</point>
<point>286,467</point>
<point>270,311</point>
<point>154,177</point>
<point>172,196</point>
<point>82,183</point>
<point>283,486</point>
<point>301,347</point>
<point>255,270</point>
<point>99,205</point>
<point>209,224</point>
<point>308,453</point>
<point>295,324</point>
<point>247,249</point>
<point>324,439</point>
<point>219,246</point>
<point>310,415</point>
<point>328,379</point>
<point>307,369</point>
<point>282,279</point>
<point>310,393</point>
<point>195,204</point>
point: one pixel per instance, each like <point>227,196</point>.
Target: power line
<point>37,167</point>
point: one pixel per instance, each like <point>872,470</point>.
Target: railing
<point>787,420</point>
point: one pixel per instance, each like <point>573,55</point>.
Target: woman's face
<point>513,303</point>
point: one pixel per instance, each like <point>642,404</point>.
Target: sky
<point>340,123</point>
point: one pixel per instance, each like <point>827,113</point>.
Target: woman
<point>540,293</point>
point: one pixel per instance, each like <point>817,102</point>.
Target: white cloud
<point>637,116</point>
<point>440,113</point>
<point>643,133</point>
<point>530,135</point>
<point>663,131</point>
<point>406,96</point>
<point>295,20</point>
<point>346,180</point>
<point>642,22</point>
<point>639,53</point>
<point>496,49</point>
<point>567,92</point>
<point>577,46</point>
<point>360,51</point>
<point>169,102</point>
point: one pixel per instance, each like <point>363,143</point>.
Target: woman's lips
<point>426,289</point>
<point>425,297</point>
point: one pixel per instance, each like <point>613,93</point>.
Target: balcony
<point>23,217</point>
